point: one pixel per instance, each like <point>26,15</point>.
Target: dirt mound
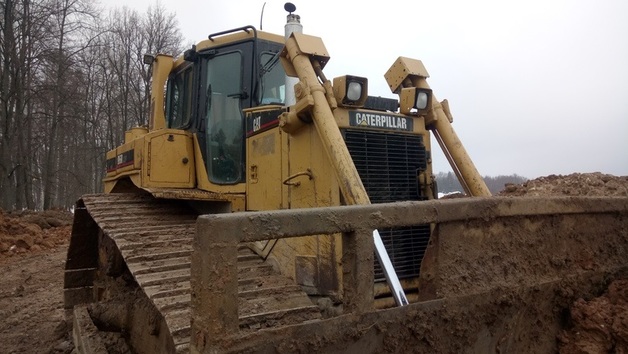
<point>32,252</point>
<point>597,325</point>
<point>600,325</point>
<point>575,184</point>
<point>28,232</point>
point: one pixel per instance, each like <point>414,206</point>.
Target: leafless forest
<point>72,81</point>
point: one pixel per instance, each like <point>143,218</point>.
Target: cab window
<point>273,80</point>
<point>179,99</point>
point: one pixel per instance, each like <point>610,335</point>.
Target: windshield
<point>273,80</point>
<point>224,118</point>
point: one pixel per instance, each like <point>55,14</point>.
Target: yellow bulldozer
<point>269,209</point>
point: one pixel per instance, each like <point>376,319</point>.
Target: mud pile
<point>32,257</point>
<point>575,184</point>
<point>29,232</point>
<point>600,325</point>
<point>597,325</point>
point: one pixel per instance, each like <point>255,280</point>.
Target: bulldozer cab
<point>208,94</point>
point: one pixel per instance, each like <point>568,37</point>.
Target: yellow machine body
<point>293,156</point>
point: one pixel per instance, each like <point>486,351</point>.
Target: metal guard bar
<point>214,274</point>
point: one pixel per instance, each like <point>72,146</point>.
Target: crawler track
<point>154,239</point>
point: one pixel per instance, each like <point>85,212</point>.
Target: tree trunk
<point>6,110</point>
<point>57,110</point>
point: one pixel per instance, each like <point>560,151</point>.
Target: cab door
<point>226,90</point>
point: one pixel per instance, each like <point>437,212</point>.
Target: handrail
<point>245,29</point>
<point>266,225</point>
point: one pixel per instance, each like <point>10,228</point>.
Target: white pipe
<point>389,271</point>
<point>293,25</point>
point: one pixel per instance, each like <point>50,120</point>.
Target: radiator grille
<point>406,247</point>
<point>388,165</point>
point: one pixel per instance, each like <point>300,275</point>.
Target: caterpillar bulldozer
<point>269,209</point>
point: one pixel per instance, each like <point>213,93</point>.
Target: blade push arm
<point>304,56</point>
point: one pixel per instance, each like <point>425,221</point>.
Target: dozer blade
<point>498,276</point>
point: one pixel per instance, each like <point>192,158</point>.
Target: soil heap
<point>598,325</point>
<point>575,184</point>
<point>28,232</point>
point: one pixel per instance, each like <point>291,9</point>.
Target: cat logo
<point>377,120</point>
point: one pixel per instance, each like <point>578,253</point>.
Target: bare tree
<point>69,21</point>
<point>70,85</point>
<point>132,36</point>
<point>7,102</point>
<point>161,34</point>
<point>20,36</point>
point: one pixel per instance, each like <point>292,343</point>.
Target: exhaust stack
<point>293,24</point>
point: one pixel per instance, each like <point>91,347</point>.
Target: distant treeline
<point>448,182</point>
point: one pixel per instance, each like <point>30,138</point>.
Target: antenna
<point>261,18</point>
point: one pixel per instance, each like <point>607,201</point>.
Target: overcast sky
<point>536,87</point>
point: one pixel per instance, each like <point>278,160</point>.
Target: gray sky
<point>536,87</point>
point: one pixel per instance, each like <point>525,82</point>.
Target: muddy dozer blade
<point>552,239</point>
<point>498,276</point>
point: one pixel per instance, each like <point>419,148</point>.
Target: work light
<point>354,91</point>
<point>351,90</point>
<point>415,100</point>
<point>421,100</point>
<point>148,59</point>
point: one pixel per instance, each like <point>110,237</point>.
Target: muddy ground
<point>32,257</point>
<point>33,247</point>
